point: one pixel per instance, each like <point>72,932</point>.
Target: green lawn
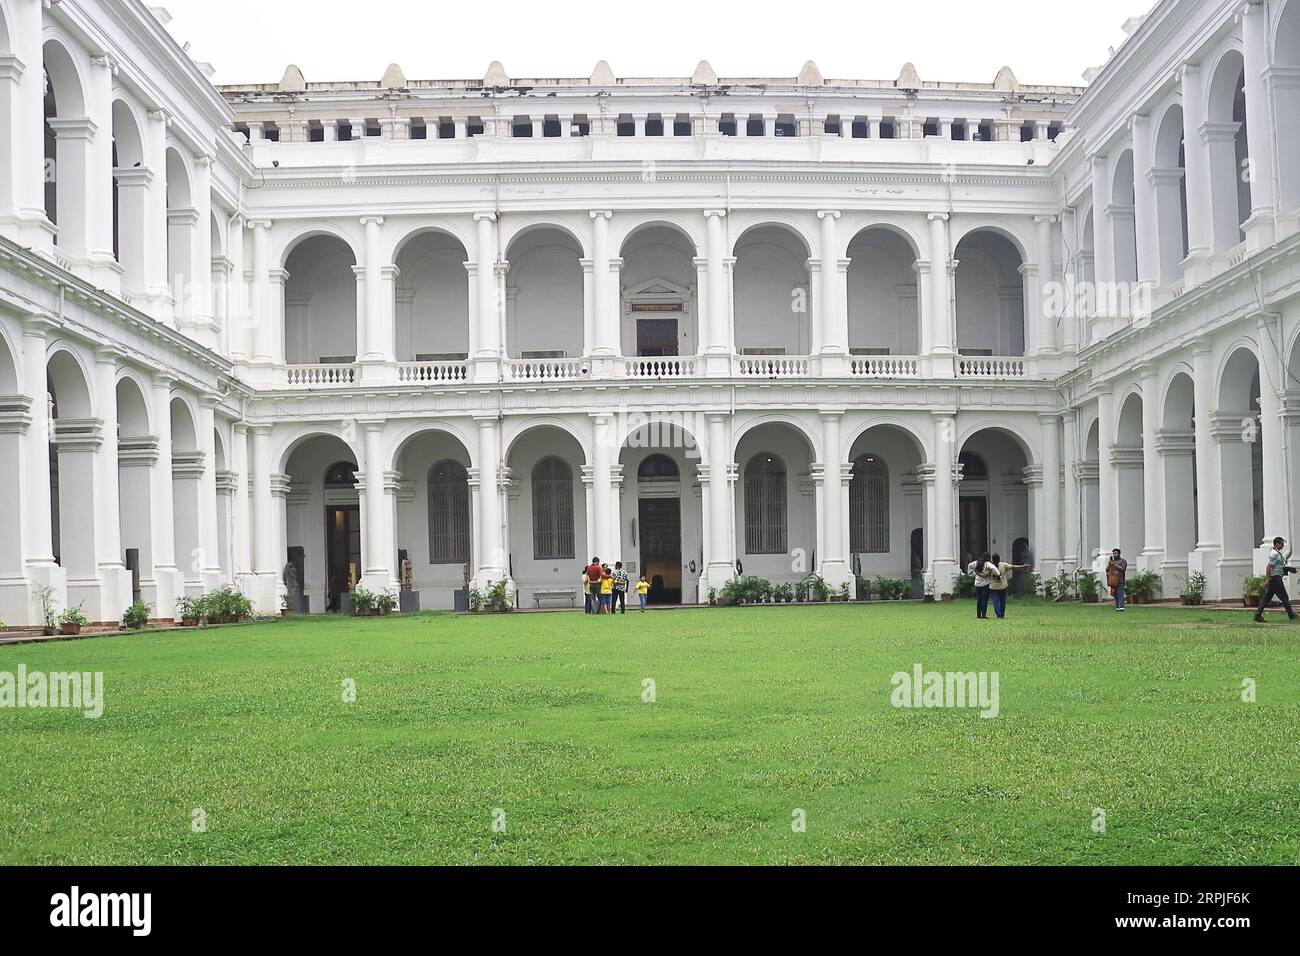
<point>759,712</point>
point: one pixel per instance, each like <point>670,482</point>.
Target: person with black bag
<point>1276,573</point>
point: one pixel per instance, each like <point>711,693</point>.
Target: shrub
<point>45,594</point>
<point>783,592</point>
<point>1143,586</point>
<point>73,615</point>
<point>385,600</point>
<point>136,616</point>
<point>189,606</point>
<point>1193,589</point>
<point>498,597</point>
<point>475,596</point>
<point>818,589</point>
<point>963,585</point>
<point>801,591</point>
<point>1034,585</point>
<point>362,600</point>
<point>1252,586</point>
<point>846,591</point>
<point>226,605</point>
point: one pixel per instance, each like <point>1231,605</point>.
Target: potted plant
<point>783,592</point>
<point>49,616</point>
<point>801,591</point>
<point>284,604</point>
<point>188,608</point>
<point>363,602</point>
<point>846,592</point>
<point>71,621</point>
<point>1143,587</point>
<point>498,597</point>
<point>136,616</point>
<point>1086,583</point>
<point>1193,590</point>
<point>386,601</point>
<point>1252,587</point>
<point>929,585</point>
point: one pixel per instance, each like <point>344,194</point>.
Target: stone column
<point>1153,484</point>
<point>1200,225</point>
<point>833,309</point>
<point>264,347</point>
<point>103,270</point>
<point>198,304</point>
<point>73,157</point>
<point>721,546</point>
<point>209,546</point>
<point>491,552</point>
<point>1041,313</point>
<point>1048,520</point>
<point>1272,371</point>
<point>830,539</point>
<point>168,580</point>
<point>378,573</point>
<point>241,545</point>
<point>938,322</point>
<point>1107,474</point>
<point>1144,214</point>
<point>715,347</point>
<point>487,359</point>
<point>943,561</point>
<point>1073,540</point>
<point>264,522</point>
<point>114,582</point>
<point>1103,245</point>
<point>602,486</point>
<point>22,87</point>
<point>604,326</point>
<point>378,316</point>
<point>1259,228</point>
<point>158,289</point>
<point>38,538</point>
<point>1209,547</point>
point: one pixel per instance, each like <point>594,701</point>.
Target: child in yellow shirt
<point>606,592</point>
<point>642,589</point>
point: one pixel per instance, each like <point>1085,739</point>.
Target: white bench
<point>557,593</point>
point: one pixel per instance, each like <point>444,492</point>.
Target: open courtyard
<point>749,735</point>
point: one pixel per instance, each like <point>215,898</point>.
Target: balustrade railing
<point>772,366</point>
<point>545,370</point>
<point>884,366</point>
<point>990,366</point>
<point>666,367</point>
<point>432,372</point>
<point>309,375</point>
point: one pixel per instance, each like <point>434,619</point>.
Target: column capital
<point>163,380</point>
<point>605,214</point>
<point>1049,418</point>
<point>108,354</point>
<point>210,400</point>
<point>485,217</point>
<point>1040,220</point>
<point>937,216</point>
<point>372,220</point>
<point>257,224</point>
<point>372,424</point>
<point>831,414</point>
<point>709,213</point>
<point>831,214</point>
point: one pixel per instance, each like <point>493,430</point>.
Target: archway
<point>1286,110</point>
<point>1229,155</point>
<point>993,501</point>
<point>545,295</point>
<point>1126,456</point>
<point>990,295</point>
<point>1123,223</point>
<point>548,513</point>
<point>320,302</point>
<point>1169,175</point>
<point>187,472</point>
<point>14,606</point>
<point>129,197</point>
<point>884,313</point>
<point>432,299</point>
<point>72,479</point>
<point>436,516</point>
<point>771,292</point>
<point>1241,463</point>
<point>776,505</point>
<point>322,520</point>
<point>66,149</point>
<point>1176,443</point>
<point>886,505</point>
<point>1090,494</point>
<point>137,452</point>
<point>182,220</point>
<point>659,297</point>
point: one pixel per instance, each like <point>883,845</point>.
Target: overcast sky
<point>1043,41</point>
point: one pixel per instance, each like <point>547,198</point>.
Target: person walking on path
<point>998,583</point>
<point>1116,572</point>
<point>620,588</point>
<point>1276,587</point>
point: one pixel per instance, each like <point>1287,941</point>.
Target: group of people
<point>605,588</point>
<point>992,577</point>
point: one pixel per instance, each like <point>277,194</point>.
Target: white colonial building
<point>699,324</point>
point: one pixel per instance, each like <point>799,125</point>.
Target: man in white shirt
<point>1276,586</point>
<point>983,571</point>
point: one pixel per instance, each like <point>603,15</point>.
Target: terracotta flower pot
<point>69,628</point>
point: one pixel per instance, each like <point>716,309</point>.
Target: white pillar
<point>604,325</point>
<point>833,308</point>
<point>378,316</point>
<point>1209,486</point>
<point>1272,372</point>
<point>264,346</point>
<point>942,332</point>
<point>1071,511</point>
<point>1107,473</point>
<point>1153,484</point>
<point>721,545</point>
<point>103,270</point>
<point>1040,313</point>
<point>1103,246</point>
<point>378,572</point>
<point>830,539</point>
<point>241,519</point>
<point>1048,520</point>
<point>168,580</point>
<point>943,562</point>
<point>38,539</point>
<point>209,549</point>
<point>114,582</point>
<point>1259,123</point>
<point>1200,224</point>
<point>604,535</point>
<point>264,522</point>
<point>21,70</point>
<point>198,300</point>
<point>158,289</point>
<point>715,346</point>
<point>491,552</point>
<point>487,358</point>
<point>1144,212</point>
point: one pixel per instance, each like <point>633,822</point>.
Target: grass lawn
<point>759,712</point>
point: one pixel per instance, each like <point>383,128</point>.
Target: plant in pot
<point>1143,587</point>
<point>818,589</point>
<point>498,597</point>
<point>49,616</point>
<point>285,604</point>
<point>188,608</point>
<point>1252,588</point>
<point>71,621</point>
<point>386,601</point>
<point>846,592</point>
<point>1193,589</point>
<point>136,616</point>
<point>963,585</point>
<point>1086,583</point>
<point>363,602</point>
<point>783,592</point>
<point>930,587</point>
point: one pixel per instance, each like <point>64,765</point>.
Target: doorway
<point>660,520</point>
<point>974,514</point>
<point>342,551</point>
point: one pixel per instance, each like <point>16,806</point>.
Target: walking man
<point>983,572</point>
<point>998,584</point>
<point>1276,574</point>
<point>1116,571</point>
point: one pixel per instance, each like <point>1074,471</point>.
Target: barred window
<point>448,513</point>
<point>765,524</point>
<point>552,509</point>
<point>869,506</point>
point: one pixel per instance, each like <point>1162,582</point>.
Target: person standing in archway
<point>1116,572</point>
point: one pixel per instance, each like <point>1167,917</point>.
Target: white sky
<point>1043,41</point>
